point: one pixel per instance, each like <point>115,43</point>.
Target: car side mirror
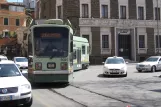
<point>127,62</point>
<point>159,62</point>
<point>103,62</point>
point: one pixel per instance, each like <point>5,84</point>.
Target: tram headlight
<point>38,65</point>
<point>64,66</point>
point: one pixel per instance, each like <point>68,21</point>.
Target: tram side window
<point>74,54</point>
<point>83,50</point>
<point>87,49</point>
<point>29,44</point>
<point>71,46</point>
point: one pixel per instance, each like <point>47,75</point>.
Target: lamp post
<point>158,29</point>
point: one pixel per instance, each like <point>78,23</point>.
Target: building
<point>45,9</point>
<point>12,17</point>
<point>29,3</point>
<point>127,28</point>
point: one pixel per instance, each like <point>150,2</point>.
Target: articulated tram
<point>54,53</point>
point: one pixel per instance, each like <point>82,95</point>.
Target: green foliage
<point>14,35</point>
<point>28,12</point>
<point>1,36</point>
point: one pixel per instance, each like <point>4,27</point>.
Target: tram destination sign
<point>50,35</point>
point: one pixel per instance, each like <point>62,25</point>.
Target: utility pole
<point>158,29</point>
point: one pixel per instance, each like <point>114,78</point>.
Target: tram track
<point>52,90</point>
<point>105,95</point>
<point>84,104</point>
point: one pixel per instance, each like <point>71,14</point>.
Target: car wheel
<point>153,69</point>
<point>29,103</point>
<point>139,70</point>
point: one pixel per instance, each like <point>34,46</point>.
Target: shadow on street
<point>111,76</point>
<point>49,85</point>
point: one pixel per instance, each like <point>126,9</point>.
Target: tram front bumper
<point>49,76</point>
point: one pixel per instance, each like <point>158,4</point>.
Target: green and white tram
<point>80,53</point>
<point>50,50</point>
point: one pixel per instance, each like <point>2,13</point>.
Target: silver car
<point>152,64</point>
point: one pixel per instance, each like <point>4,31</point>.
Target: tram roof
<point>80,39</point>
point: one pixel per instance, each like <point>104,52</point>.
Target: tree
<point>28,12</point>
<point>1,36</point>
<point>14,35</point>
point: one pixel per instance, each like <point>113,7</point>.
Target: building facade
<point>12,17</point>
<point>127,28</point>
<point>45,9</point>
<point>29,3</point>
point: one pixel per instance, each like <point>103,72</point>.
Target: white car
<point>152,64</point>
<point>22,62</point>
<point>15,89</point>
<point>115,66</point>
<point>3,57</point>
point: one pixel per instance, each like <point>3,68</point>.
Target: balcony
<point>117,22</point>
<point>142,51</point>
<point>105,51</point>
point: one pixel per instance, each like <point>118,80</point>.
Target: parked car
<point>15,89</point>
<point>2,57</point>
<point>22,62</point>
<point>115,66</point>
<point>152,64</point>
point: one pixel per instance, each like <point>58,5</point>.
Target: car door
<point>159,64</point>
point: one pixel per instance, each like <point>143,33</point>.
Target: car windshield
<point>151,60</point>
<point>21,60</point>
<point>115,61</point>
<point>9,70</point>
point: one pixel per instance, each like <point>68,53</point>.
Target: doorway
<point>124,46</point>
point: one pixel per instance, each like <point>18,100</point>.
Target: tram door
<point>79,57</point>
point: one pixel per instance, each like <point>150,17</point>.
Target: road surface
<point>90,89</point>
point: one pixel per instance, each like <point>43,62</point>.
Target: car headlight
<point>147,65</point>
<point>123,68</point>
<point>105,68</point>
<point>25,88</point>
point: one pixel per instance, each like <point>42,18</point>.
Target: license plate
<point>114,71</point>
<point>143,68</point>
<point>5,98</point>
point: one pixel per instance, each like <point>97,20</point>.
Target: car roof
<point>19,57</point>
<point>1,56</point>
<point>155,57</point>
<point>6,62</point>
<point>114,57</point>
